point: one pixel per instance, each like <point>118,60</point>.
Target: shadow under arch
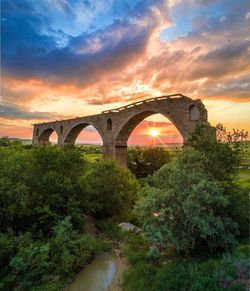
<point>74,132</point>
<point>44,137</point>
<point>127,129</point>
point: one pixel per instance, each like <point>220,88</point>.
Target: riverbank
<point>121,264</point>
<point>104,273</point>
<point>203,271</point>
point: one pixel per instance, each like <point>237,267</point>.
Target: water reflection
<point>96,276</point>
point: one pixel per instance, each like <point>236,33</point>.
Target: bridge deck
<point>143,101</point>
<point>116,125</point>
<point>119,109</point>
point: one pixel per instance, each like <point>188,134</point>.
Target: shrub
<point>70,250</point>
<point>31,262</point>
<point>136,249</point>
<point>223,151</point>
<point>238,207</point>
<point>110,227</point>
<point>175,277</point>
<point>6,248</point>
<point>111,187</point>
<point>139,278</point>
<point>143,162</point>
<point>209,275</point>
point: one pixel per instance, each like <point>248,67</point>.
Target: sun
<point>153,132</point>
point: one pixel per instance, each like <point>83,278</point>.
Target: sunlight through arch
<point>156,130</point>
<point>53,138</point>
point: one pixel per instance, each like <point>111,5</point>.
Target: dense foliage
<point>194,206</point>
<point>112,188</point>
<point>45,194</point>
<point>227,272</point>
<point>215,275</point>
<point>188,206</point>
<point>39,187</point>
<point>5,141</point>
<point>225,154</point>
<point>224,151</point>
<point>185,207</point>
<point>143,162</point>
<point>30,262</point>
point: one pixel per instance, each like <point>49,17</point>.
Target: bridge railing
<point>142,102</point>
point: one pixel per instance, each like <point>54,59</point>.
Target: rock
<point>130,227</point>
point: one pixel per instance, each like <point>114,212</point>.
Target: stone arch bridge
<point>116,125</point>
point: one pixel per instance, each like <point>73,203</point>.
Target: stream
<point>98,275</point>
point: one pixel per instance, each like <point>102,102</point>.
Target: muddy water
<point>96,276</point>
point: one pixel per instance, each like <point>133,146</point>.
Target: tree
<point>235,137</point>
<point>42,204</point>
<point>143,162</point>
<point>223,150</point>
<point>5,141</point>
<point>40,186</point>
<point>111,187</point>
<point>55,187</point>
<point>185,207</point>
<point>30,263</point>
<point>16,168</point>
<point>224,154</point>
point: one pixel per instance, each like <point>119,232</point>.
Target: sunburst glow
<point>154,132</point>
<point>106,64</point>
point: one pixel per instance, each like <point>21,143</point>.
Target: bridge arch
<point>127,128</point>
<point>155,130</point>
<point>45,134</point>
<point>131,123</point>
<point>73,132</point>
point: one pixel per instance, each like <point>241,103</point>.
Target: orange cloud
<point>211,64</point>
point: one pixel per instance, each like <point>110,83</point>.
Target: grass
<point>224,272</point>
<point>92,158</point>
<point>244,171</point>
<point>244,178</point>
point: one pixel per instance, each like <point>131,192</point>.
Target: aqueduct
<point>116,125</point>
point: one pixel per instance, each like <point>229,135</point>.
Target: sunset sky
<point>67,58</point>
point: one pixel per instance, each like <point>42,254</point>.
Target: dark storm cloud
<point>228,60</point>
<point>27,52</point>
<point>239,87</point>
<point>10,112</point>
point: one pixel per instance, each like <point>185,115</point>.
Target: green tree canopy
<point>185,207</point>
<point>111,187</point>
<point>223,150</point>
<point>42,205</point>
<point>224,154</point>
<point>41,185</point>
<point>5,141</point>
